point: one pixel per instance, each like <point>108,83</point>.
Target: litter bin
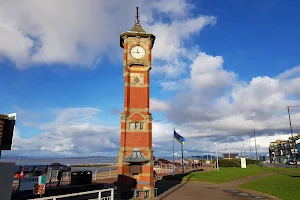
<point>87,177</point>
<point>81,178</point>
<point>75,178</point>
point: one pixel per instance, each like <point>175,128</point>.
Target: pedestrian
<point>59,176</point>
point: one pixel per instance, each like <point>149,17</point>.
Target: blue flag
<point>179,138</point>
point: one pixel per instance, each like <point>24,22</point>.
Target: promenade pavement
<point>210,191</point>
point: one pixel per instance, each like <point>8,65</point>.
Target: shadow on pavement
<point>171,182</point>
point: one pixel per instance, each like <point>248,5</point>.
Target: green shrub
<point>250,161</point>
<point>229,163</point>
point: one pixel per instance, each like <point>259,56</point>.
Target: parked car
<point>291,162</point>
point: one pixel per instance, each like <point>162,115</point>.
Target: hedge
<point>229,163</point>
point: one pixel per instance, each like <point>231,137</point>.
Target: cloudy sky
<point>220,70</point>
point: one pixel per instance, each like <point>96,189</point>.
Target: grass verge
<point>224,175</point>
<point>285,184</point>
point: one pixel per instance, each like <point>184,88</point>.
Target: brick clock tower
<point>136,160</point>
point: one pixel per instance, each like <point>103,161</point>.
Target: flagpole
<point>182,158</point>
<point>173,155</point>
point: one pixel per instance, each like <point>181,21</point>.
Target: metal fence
<point>51,179</point>
<point>66,177</point>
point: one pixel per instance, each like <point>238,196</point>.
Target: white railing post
<point>112,194</point>
<point>99,196</point>
<point>109,175</point>
<point>110,197</point>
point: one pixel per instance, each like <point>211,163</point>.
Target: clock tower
<point>135,160</point>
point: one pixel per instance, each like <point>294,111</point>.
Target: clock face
<point>137,52</point>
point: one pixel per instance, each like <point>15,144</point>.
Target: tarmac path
<point>211,191</point>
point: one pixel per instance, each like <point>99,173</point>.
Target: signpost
<point>243,163</point>
<point>33,184</point>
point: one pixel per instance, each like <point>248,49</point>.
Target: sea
<point>63,160</point>
<point>20,161</point>
<point>23,161</point>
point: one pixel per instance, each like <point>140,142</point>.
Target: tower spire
<point>137,21</point>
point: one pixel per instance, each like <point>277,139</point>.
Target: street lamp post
<point>241,151</point>
<point>256,158</point>
<point>250,154</point>
<point>288,108</point>
<point>217,158</point>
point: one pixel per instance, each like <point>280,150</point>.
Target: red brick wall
<point>138,139</point>
<point>138,97</point>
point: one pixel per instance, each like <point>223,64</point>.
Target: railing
<point>66,177</point>
<point>100,192</point>
<point>164,168</point>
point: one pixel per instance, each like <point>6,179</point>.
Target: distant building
<point>7,124</point>
<point>281,150</point>
<point>296,146</point>
<point>229,156</point>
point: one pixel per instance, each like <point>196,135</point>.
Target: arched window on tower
<point>136,125</point>
<point>131,125</point>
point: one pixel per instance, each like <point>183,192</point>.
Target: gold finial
<point>137,21</point>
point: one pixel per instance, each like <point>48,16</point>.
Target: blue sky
<point>220,69</point>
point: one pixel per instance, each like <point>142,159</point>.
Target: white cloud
<point>63,117</point>
<point>169,85</point>
<point>158,105</point>
<point>290,73</point>
<point>207,72</point>
<point>289,81</point>
<point>43,32</point>
<point>170,36</point>
<point>177,8</point>
<point>13,44</point>
<point>170,44</point>
<point>71,131</point>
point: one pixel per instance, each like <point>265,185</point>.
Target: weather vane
<point>137,21</point>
